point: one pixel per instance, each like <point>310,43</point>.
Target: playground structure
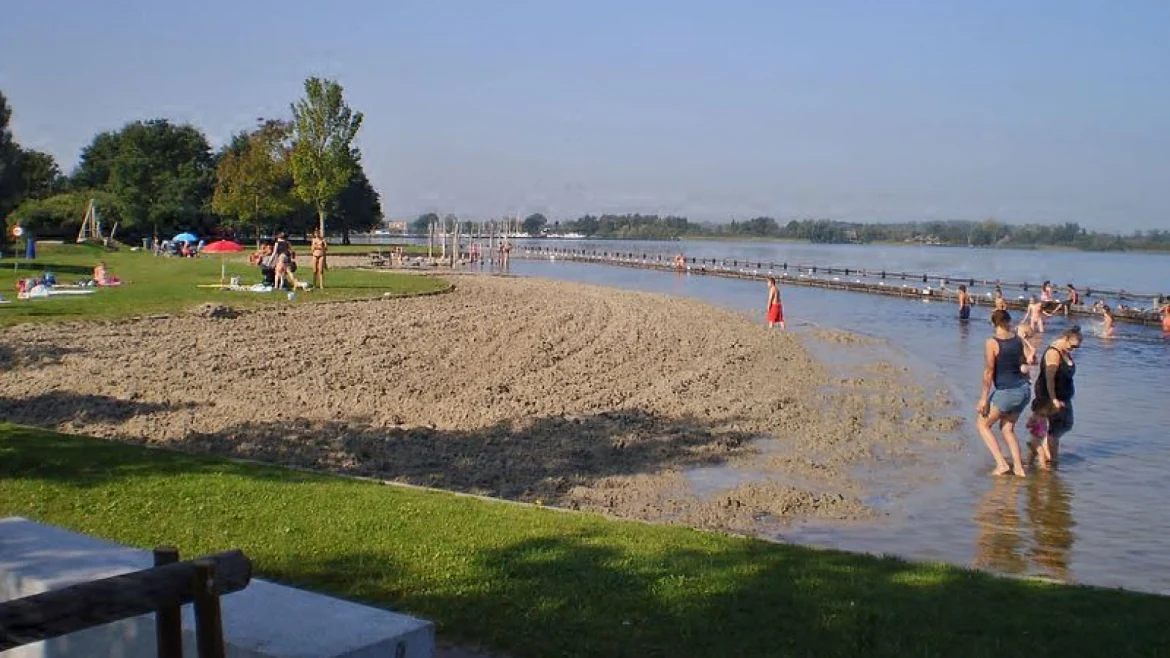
<point>91,227</point>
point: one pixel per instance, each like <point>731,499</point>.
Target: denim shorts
<point>1011,401</point>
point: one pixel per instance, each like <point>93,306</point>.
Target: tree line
<point>156,178</point>
<point>987,233</point>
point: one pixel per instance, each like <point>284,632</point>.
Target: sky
<point>1040,111</point>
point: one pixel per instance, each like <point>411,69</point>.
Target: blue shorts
<point>1011,401</point>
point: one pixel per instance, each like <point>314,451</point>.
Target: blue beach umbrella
<point>185,237</point>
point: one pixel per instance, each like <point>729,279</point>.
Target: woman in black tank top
<point>1006,391</point>
<point>1055,384</point>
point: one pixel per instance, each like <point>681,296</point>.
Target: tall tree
<point>162,175</point>
<point>253,177</point>
<point>323,156</point>
<point>358,208</point>
<point>534,224</point>
<point>422,224</point>
<point>93,171</point>
<point>40,175</point>
<point>10,179</point>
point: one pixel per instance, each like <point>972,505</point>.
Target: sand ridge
<point>567,394</point>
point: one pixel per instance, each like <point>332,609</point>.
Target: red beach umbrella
<point>222,247</point>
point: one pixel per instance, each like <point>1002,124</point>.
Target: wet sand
<point>557,393</point>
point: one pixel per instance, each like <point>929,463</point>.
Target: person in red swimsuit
<point>775,308</point>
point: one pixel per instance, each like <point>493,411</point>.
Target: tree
<point>422,225</point>
<point>161,174</point>
<point>358,207</point>
<point>93,171</point>
<point>534,224</point>
<point>323,157</point>
<point>10,179</point>
<point>253,177</point>
<point>40,175</point>
<point>60,216</point>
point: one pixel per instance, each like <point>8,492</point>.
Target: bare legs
<point>1007,425</point>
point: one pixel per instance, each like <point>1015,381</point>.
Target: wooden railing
<point>162,590</point>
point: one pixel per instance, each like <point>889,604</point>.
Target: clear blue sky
<point>864,110</point>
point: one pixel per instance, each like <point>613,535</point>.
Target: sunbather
<point>103,277</point>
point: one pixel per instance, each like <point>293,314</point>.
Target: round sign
<point>17,231</point>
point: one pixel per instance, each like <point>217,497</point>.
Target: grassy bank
<point>166,285</point>
<point>535,582</point>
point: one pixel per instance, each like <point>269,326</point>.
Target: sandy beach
<point>569,395</point>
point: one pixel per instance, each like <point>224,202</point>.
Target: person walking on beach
<point>1006,392</point>
<point>318,248</point>
<point>775,308</point>
<point>1055,385</point>
<point>964,303</point>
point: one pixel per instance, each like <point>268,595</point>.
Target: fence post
<point>168,621</point>
<point>208,622</point>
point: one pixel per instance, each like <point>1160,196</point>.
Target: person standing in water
<point>1006,392</point>
<point>1107,321</point>
<point>775,308</point>
<point>998,300</point>
<point>1055,384</point>
<point>1166,315</point>
<point>964,303</point>
<point>1033,316</point>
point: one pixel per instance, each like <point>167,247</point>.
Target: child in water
<point>1037,426</point>
<point>1033,315</point>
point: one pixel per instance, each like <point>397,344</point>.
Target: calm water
<point>1134,272</point>
<point>1099,520</point>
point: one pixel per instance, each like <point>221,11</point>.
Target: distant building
<point>394,227</point>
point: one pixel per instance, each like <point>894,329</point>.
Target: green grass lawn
<point>537,582</point>
<point>166,285</point>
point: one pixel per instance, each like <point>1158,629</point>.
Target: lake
<point>1098,520</point>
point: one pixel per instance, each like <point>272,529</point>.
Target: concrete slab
<point>266,620</point>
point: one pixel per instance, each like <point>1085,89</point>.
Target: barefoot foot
<point>1020,472</point>
<point>1002,470</point>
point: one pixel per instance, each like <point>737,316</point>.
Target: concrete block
<point>266,620</point>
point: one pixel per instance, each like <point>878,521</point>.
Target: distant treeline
<point>987,233</point>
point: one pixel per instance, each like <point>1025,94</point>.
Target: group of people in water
<point>1008,390</point>
<point>1008,358</point>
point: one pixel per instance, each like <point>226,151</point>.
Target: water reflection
<point>1026,527</point>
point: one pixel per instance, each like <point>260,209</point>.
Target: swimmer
<point>1025,333</point>
<point>1107,325</point>
<point>964,303</point>
<point>1033,316</point>
<point>999,301</point>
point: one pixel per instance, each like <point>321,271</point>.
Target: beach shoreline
<point>545,392</point>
